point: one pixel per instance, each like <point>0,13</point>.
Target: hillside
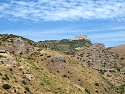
<point>118,50</point>
<point>66,46</point>
<point>35,70</point>
<point>109,64</point>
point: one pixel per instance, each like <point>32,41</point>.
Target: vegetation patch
<point>6,86</point>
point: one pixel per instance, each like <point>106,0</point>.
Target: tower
<point>81,34</point>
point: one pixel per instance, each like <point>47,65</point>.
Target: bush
<point>65,75</point>
<point>122,58</point>
<point>111,70</point>
<point>87,91</point>
<point>121,89</point>
<point>102,71</point>
<point>11,69</point>
<point>118,69</point>
<point>0,74</point>
<point>97,91</point>
<point>5,77</point>
<point>6,86</point>
<point>97,84</point>
<point>27,89</point>
<point>24,82</point>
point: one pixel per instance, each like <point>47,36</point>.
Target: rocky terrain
<point>29,68</point>
<point>109,64</point>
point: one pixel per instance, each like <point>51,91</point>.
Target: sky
<point>103,21</point>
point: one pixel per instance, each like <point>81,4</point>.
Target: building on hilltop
<point>80,37</point>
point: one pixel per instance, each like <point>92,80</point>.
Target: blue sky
<point>102,20</point>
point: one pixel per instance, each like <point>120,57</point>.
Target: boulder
<point>58,59</point>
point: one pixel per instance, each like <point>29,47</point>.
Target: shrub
<point>11,69</point>
<point>87,91</point>
<point>5,77</point>
<point>6,86</point>
<point>0,74</point>
<point>121,89</point>
<point>24,82</point>
<point>111,70</point>
<point>122,58</point>
<point>27,89</point>
<point>48,56</point>
<point>18,92</point>
<point>97,91</point>
<point>65,75</point>
<point>97,84</point>
<point>118,69</point>
<point>102,71</point>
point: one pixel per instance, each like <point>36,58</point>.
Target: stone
<point>58,59</point>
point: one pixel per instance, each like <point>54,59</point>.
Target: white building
<point>80,37</point>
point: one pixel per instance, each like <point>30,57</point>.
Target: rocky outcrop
<point>28,75</point>
<point>58,59</point>
<point>19,43</point>
<point>15,44</point>
<point>7,60</point>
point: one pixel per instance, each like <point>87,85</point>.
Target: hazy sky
<point>102,20</point>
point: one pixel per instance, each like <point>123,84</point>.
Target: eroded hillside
<point>26,68</point>
<point>109,64</point>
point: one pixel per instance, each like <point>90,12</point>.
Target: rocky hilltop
<point>28,68</point>
<point>15,44</point>
<point>80,37</point>
<point>67,46</point>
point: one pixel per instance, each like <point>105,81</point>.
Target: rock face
<point>19,43</point>
<point>22,46</point>
<point>15,44</point>
<point>5,57</point>
<point>28,75</point>
<point>58,59</point>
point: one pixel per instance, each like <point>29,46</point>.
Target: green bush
<point>122,58</point>
<point>111,70</point>
<point>27,89</point>
<point>24,82</point>
<point>6,86</point>
<point>121,89</point>
<point>11,69</point>
<point>102,71</point>
<point>87,91</point>
<point>97,84</point>
<point>5,77</point>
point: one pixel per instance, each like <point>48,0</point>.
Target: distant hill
<point>66,46</point>
<point>118,49</point>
